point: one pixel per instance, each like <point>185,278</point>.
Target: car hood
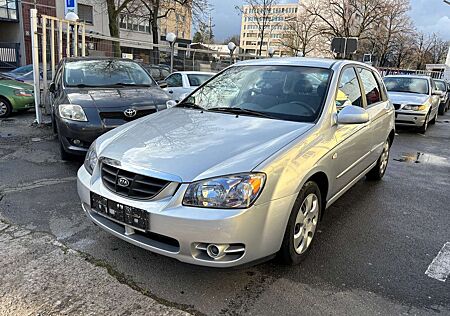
<point>111,97</point>
<point>14,84</point>
<point>190,144</point>
<point>408,98</point>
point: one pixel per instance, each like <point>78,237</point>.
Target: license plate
<point>120,212</point>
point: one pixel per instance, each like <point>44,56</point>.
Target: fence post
<point>44,62</point>
<point>52,48</point>
<point>35,56</point>
<point>83,41</point>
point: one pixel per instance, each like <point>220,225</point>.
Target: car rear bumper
<point>184,232</point>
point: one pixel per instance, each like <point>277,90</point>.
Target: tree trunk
<point>155,34</point>
<point>113,27</point>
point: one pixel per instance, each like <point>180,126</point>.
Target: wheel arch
<point>322,181</point>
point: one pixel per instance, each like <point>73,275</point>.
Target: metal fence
<point>9,56</point>
<point>397,71</point>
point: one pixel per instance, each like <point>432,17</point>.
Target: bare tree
<point>302,33</point>
<point>260,12</point>
<point>114,8</point>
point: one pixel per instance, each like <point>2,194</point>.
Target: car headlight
<point>415,107</point>
<point>23,93</point>
<point>72,112</point>
<point>91,159</point>
<point>234,191</point>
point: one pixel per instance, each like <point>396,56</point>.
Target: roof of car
<point>72,59</point>
<point>298,61</point>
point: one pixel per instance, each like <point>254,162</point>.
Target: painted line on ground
<point>439,268</point>
<point>35,184</point>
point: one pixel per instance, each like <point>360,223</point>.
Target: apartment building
<point>275,30</point>
<point>15,34</point>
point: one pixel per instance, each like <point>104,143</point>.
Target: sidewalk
<point>40,276</point>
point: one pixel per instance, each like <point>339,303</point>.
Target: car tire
<point>442,109</point>
<point>302,225</point>
<point>378,171</point>
<point>433,121</point>
<point>54,127</point>
<point>424,127</point>
<point>5,108</point>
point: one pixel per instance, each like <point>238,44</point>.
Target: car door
<point>379,109</point>
<point>175,86</point>
<point>435,100</point>
<point>353,141</point>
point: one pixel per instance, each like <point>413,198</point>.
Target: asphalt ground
<point>370,255</point>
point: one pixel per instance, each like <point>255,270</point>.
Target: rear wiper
<point>191,105</point>
<point>240,111</point>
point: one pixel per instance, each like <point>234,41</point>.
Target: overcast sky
<point>428,15</point>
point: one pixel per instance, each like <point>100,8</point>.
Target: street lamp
<point>231,48</point>
<point>72,17</point>
<point>271,51</point>
<point>171,38</point>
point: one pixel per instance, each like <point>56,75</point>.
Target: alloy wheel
<point>3,108</point>
<point>306,223</point>
<point>384,157</point>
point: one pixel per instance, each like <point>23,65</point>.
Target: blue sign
<point>70,6</point>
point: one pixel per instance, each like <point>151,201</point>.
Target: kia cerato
<point>244,167</point>
<point>91,96</point>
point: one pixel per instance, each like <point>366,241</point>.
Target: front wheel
<point>377,172</point>
<point>302,224</point>
<point>5,108</point>
<point>424,127</point>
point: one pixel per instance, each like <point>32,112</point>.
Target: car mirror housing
<point>162,84</point>
<point>171,103</point>
<point>52,87</point>
<point>436,92</point>
<point>352,115</point>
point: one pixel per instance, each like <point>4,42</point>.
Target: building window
<point>134,23</point>
<point>85,13</point>
<point>8,9</point>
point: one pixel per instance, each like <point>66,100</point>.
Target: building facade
<point>135,30</point>
<point>275,28</point>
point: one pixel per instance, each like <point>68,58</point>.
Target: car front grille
<point>397,106</point>
<point>120,115</point>
<point>130,184</point>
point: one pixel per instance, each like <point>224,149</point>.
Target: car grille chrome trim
<point>139,186</point>
<point>121,115</point>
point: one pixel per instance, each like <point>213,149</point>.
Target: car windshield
<point>22,70</point>
<point>105,73</point>
<point>406,84</point>
<point>281,92</point>
<point>196,80</point>
<point>440,85</point>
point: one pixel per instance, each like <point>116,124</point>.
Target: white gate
<point>58,29</point>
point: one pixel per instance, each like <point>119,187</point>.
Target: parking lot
<point>370,257</point>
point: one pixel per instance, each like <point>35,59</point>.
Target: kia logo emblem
<point>123,182</point>
<point>130,112</point>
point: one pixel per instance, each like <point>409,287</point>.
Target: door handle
<point>170,91</point>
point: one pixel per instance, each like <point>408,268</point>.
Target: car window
<point>105,72</point>
<point>174,80</point>
<point>154,72</point>
<point>165,73</point>
<point>280,92</point>
<point>407,84</point>
<point>196,80</point>
<point>349,92</point>
<point>371,87</point>
<point>441,85</point>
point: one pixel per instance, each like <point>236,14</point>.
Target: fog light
<point>216,251</point>
<point>77,142</point>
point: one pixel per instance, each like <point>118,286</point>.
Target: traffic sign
<point>70,6</point>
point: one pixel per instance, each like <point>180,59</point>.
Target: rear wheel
<point>377,172</point>
<point>5,108</point>
<point>302,224</point>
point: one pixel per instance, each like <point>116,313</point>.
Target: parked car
<point>158,73</point>
<point>25,74</point>
<point>182,82</point>
<point>415,98</point>
<point>14,96</point>
<point>91,96</point>
<point>245,166</point>
<point>444,87</point>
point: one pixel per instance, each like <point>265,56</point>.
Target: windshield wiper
<point>190,105</point>
<point>122,84</point>
<point>241,111</point>
<point>81,85</point>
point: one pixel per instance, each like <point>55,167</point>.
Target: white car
<point>182,82</point>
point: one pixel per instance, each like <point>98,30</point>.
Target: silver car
<point>416,100</point>
<point>244,167</point>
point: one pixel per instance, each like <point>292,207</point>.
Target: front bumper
<point>84,132</point>
<point>410,118</point>
<point>22,103</point>
<point>259,229</point>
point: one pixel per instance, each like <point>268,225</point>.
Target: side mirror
<point>171,103</point>
<point>436,92</point>
<point>52,87</point>
<point>352,115</point>
<point>162,84</point>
